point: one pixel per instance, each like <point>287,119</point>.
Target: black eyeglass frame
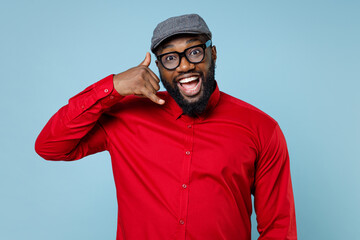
<point>182,54</point>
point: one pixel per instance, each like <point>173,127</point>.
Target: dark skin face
<point>200,74</point>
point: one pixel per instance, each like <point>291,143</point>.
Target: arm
<point>74,132</point>
<point>273,195</point>
<point>67,134</point>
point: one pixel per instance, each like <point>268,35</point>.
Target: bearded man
<point>185,161</point>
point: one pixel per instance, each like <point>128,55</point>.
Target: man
<point>185,161</point>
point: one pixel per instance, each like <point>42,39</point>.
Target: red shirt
<point>178,177</point>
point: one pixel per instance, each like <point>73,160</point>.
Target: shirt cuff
<point>106,91</point>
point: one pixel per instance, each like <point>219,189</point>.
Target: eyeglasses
<point>194,54</point>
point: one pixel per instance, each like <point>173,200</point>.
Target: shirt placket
<point>185,178</point>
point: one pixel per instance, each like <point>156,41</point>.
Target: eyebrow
<point>188,41</point>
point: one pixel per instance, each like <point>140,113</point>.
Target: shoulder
<point>136,105</point>
<point>253,121</point>
<point>242,110</point>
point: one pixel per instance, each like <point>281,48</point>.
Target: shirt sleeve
<point>74,131</point>
<point>273,194</point>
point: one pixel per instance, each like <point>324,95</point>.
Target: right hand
<point>139,81</point>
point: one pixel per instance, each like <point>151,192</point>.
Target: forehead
<point>179,43</point>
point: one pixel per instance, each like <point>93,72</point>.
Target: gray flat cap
<point>189,23</point>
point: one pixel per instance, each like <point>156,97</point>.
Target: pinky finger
<point>152,96</point>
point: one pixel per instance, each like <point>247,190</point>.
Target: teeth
<point>186,80</point>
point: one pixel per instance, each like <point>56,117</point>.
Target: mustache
<point>188,72</point>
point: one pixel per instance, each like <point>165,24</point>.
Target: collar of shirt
<point>175,110</point>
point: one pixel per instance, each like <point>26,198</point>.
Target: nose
<point>185,65</point>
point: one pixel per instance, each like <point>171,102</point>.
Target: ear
<point>157,63</point>
<point>213,53</point>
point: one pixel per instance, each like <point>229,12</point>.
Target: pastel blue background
<point>299,61</point>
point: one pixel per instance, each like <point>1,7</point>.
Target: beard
<point>193,109</point>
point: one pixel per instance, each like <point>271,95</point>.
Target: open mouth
<point>190,86</point>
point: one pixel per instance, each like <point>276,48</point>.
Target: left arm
<point>273,194</point>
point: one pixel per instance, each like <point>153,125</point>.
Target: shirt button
<point>181,222</point>
<point>189,126</point>
<point>82,106</point>
<point>111,97</point>
<point>106,90</point>
<point>184,185</point>
<point>187,152</point>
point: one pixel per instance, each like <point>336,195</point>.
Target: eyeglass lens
<point>193,55</point>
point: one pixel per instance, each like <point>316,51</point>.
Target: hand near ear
<point>139,81</point>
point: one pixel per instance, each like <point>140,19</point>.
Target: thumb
<point>146,61</point>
